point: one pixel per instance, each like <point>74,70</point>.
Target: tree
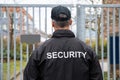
<point>11,16</point>
<point>96,18</point>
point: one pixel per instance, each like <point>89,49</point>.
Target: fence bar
<point>14,44</point>
<point>1,51</point>
<point>102,5</point>
<point>67,5</point>
<point>90,28</point>
<point>46,20</point>
<point>114,54</point>
<point>8,48</point>
<point>102,42</point>
<point>21,18</point>
<point>39,19</point>
<point>96,28</point>
<point>27,27</point>
<point>119,40</point>
<point>108,44</point>
<point>33,19</point>
<point>35,5</point>
<point>33,27</point>
<point>27,50</point>
<point>80,22</point>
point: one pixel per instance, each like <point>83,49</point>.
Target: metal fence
<point>97,25</point>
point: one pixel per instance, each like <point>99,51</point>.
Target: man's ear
<point>70,22</point>
<point>53,23</point>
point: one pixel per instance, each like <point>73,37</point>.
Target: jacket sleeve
<point>95,68</point>
<point>31,71</point>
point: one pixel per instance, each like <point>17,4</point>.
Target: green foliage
<point>100,53</point>
<point>105,76</point>
<point>12,55</point>
<point>11,52</point>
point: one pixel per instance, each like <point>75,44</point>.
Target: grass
<point>105,76</point>
<point>12,68</point>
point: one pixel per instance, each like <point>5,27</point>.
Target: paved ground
<point>18,78</point>
<point>105,65</point>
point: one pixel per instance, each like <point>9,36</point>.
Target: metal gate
<point>103,24</point>
<point>97,25</point>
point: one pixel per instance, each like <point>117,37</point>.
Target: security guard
<point>63,57</point>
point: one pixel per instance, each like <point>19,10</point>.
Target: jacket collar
<point>63,33</point>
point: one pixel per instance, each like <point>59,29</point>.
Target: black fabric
<point>60,13</point>
<point>42,66</point>
<point>63,33</point>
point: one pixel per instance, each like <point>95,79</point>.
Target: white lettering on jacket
<point>68,54</point>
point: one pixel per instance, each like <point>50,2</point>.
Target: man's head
<point>61,17</point>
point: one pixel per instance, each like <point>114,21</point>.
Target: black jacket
<point>63,57</point>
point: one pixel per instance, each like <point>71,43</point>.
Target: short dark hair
<point>62,24</point>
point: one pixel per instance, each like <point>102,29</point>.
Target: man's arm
<point>31,71</point>
<point>95,69</point>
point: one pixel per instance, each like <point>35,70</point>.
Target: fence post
<point>0,47</point>
<point>0,71</point>
<point>114,56</point>
<point>81,22</point>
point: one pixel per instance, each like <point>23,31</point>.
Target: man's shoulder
<point>47,42</point>
<point>86,47</point>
